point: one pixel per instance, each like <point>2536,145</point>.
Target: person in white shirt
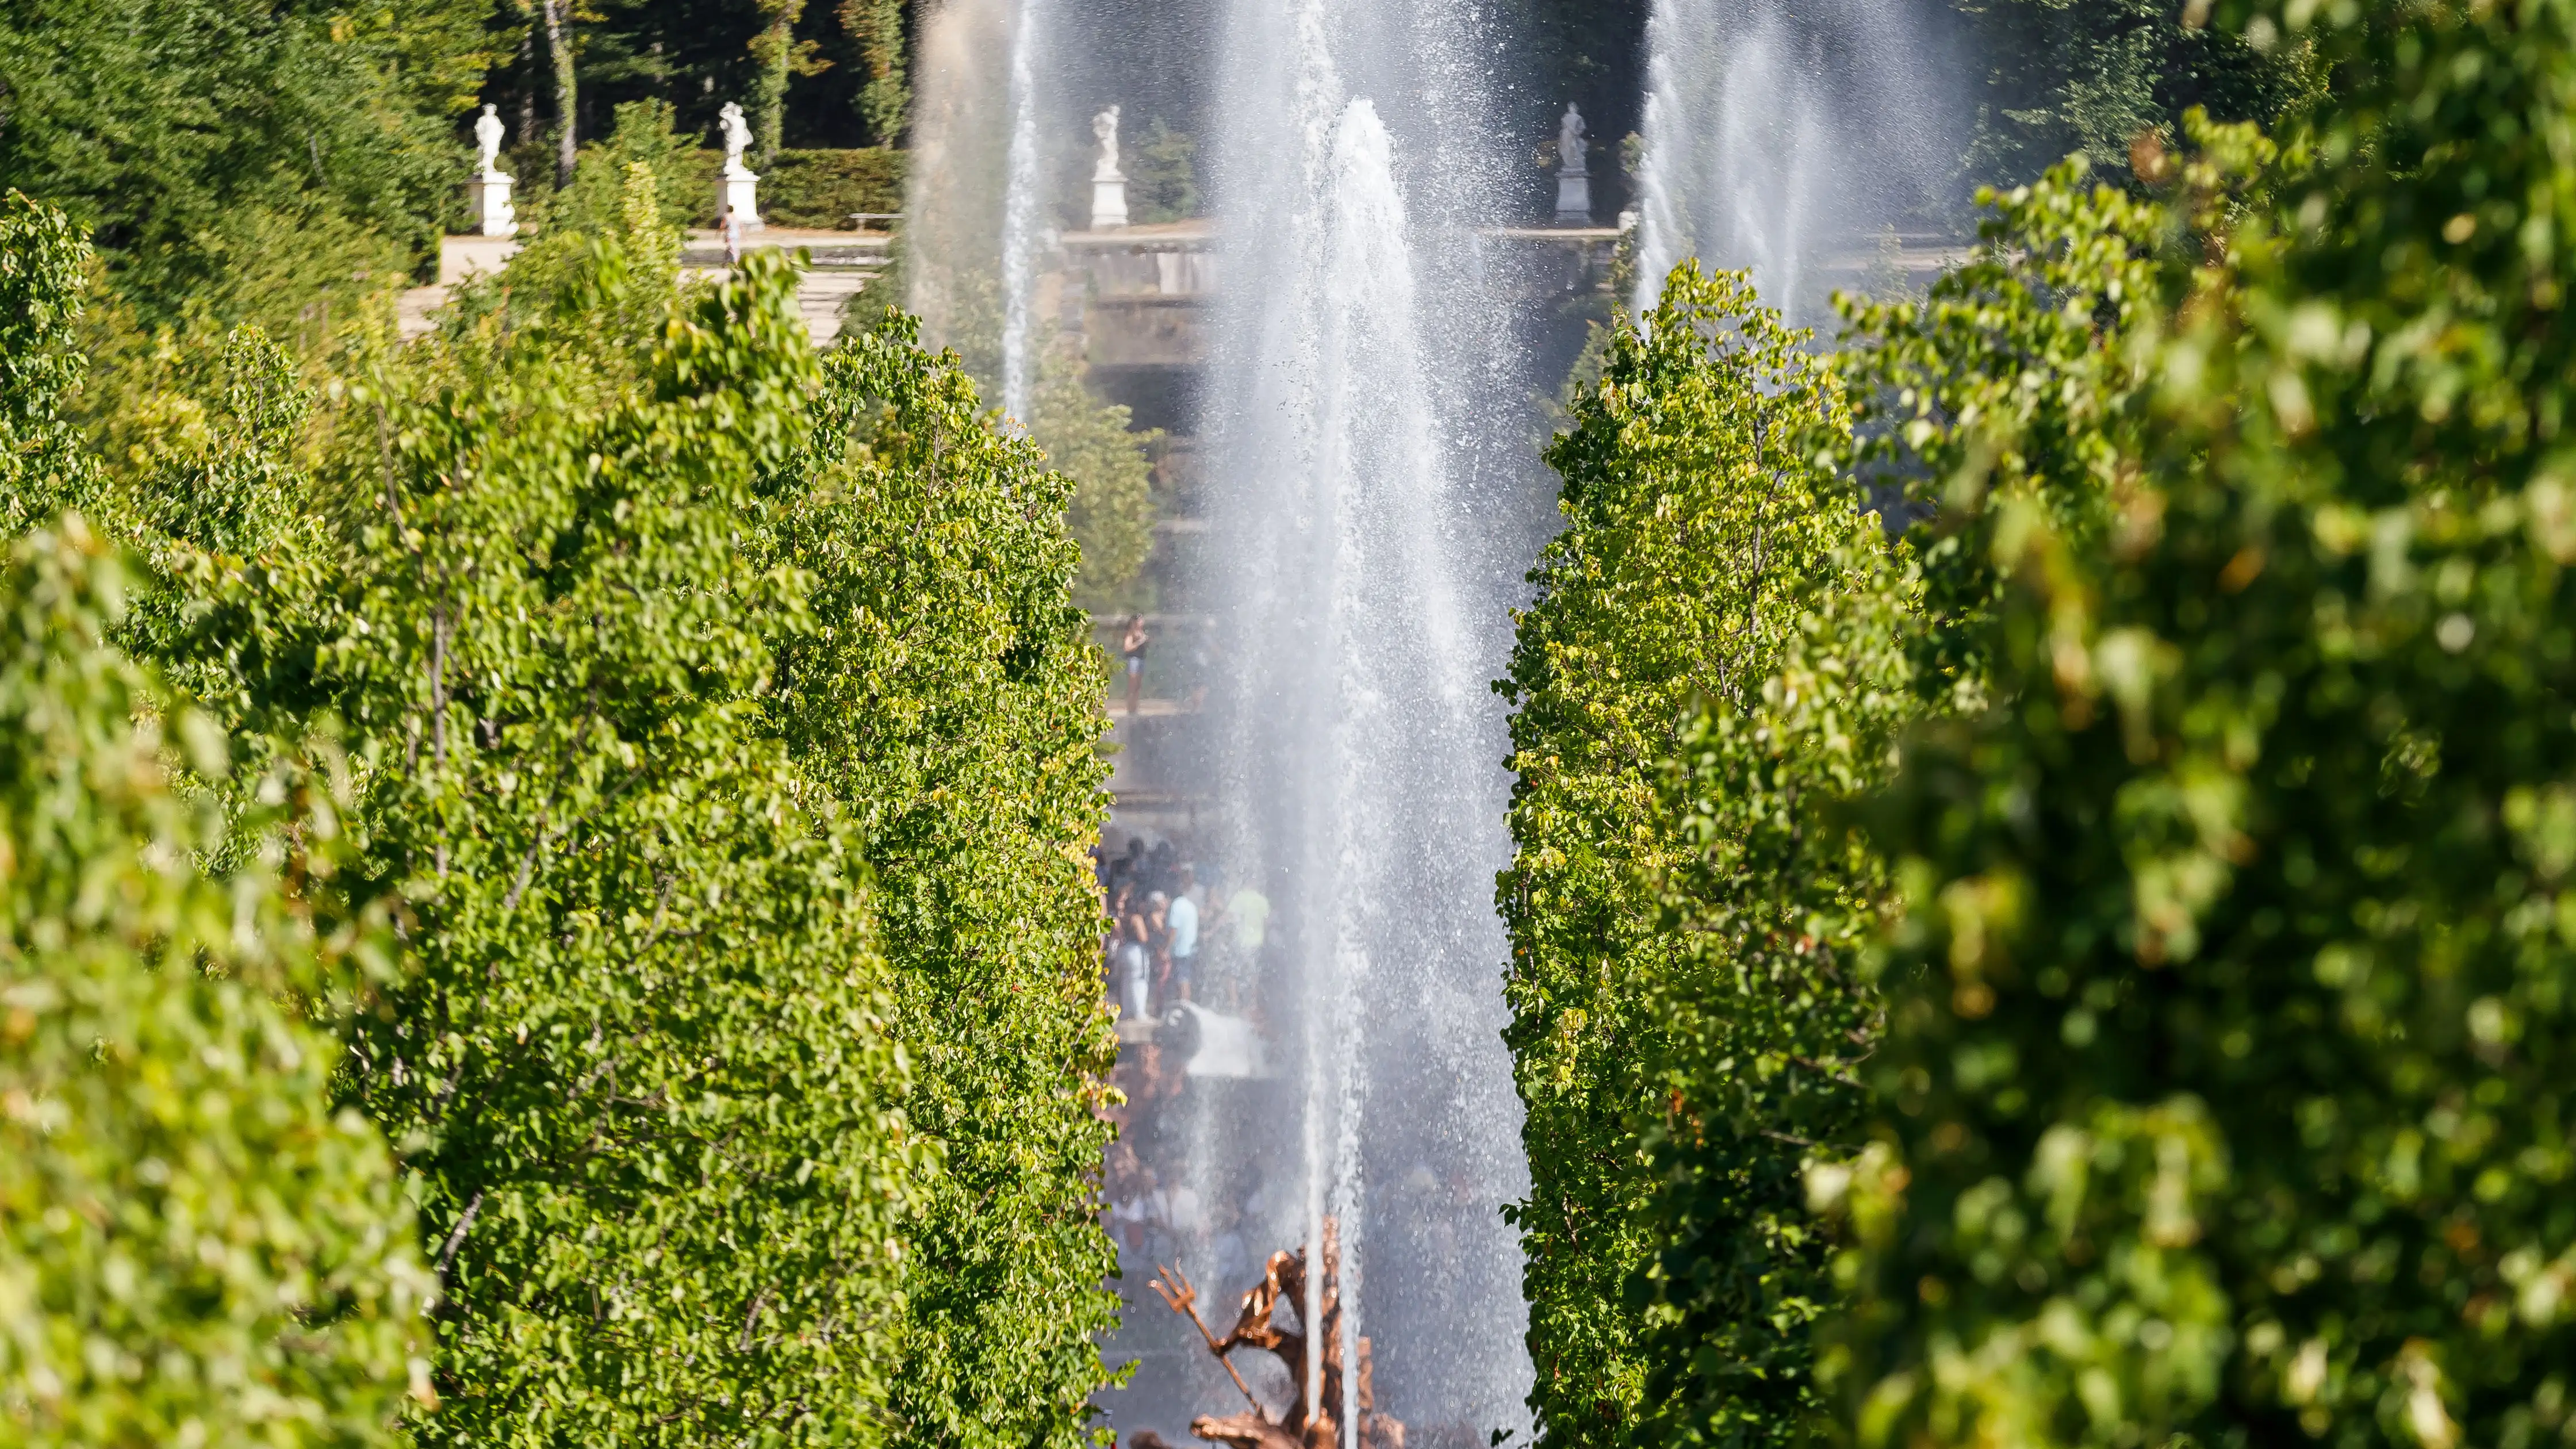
<point>1181,919</point>
<point>1135,977</point>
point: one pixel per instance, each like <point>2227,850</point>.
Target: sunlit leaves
<point>947,698</point>
<point>1701,529</point>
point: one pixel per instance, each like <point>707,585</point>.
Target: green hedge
<point>1718,662</point>
<point>948,700</point>
<point>819,189</point>
<point>639,1061</point>
<point>1698,526</point>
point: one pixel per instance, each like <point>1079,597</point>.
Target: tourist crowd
<point>1165,922</point>
<point>1182,963</point>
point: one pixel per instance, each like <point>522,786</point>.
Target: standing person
<point>1117,895</point>
<point>1158,938</point>
<point>1136,978</point>
<point>1134,968</point>
<point>1183,920</point>
<point>1126,872</point>
<point>731,227</point>
<point>1132,644</point>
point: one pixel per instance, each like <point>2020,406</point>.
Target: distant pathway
<point>843,263</point>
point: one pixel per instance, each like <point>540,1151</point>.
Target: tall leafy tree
<point>2090,77</point>
<point>1111,513</point>
<point>948,699</point>
<point>877,28</point>
<point>781,57</point>
<point>1698,525</point>
<point>1720,662</point>
<point>185,133</point>
<point>641,1065</point>
<point>643,727</point>
<point>556,17</point>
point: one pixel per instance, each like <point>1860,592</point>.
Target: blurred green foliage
<point>2089,77</point>
<point>1112,511</point>
<point>1162,174</point>
<point>2224,1082</point>
<point>196,1244</point>
<point>876,28</point>
<point>191,136</point>
<point>2211,890</point>
<point>825,188</point>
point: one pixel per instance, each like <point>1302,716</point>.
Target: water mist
<point>1789,139</point>
<point>1365,572</point>
<point>955,207</point>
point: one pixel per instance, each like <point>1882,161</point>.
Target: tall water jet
<point>1023,203</point>
<point>1789,139</point>
<point>1365,544</point>
<point>955,206</point>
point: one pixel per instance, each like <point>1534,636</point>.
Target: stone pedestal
<point>1108,201</point>
<point>1574,197</point>
<point>488,196</point>
<point>738,191</point>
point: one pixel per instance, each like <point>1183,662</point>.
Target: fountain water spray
<point>1365,570</point>
<point>1021,206</point>
<point>956,202</point>
<point>1783,137</point>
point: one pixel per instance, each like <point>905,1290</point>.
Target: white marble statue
<point>1573,178</point>
<point>737,189</point>
<point>1108,183</point>
<point>487,193</point>
<point>488,135</point>
<point>737,136</point>
<point>1105,126</point>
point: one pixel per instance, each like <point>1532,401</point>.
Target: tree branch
<point>456,1239</point>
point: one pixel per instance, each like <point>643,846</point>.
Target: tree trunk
<point>559,51</point>
<point>528,96</point>
<point>775,49</point>
<point>885,102</point>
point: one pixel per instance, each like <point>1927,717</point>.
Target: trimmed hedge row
<point>819,188</point>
